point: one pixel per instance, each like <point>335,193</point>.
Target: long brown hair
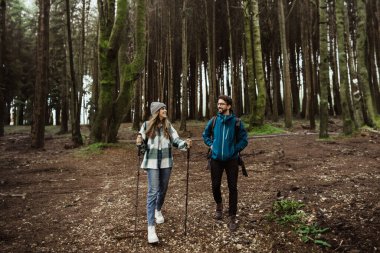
<point>154,123</point>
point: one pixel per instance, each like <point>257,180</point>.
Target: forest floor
<point>83,200</point>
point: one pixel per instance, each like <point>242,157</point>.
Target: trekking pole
<point>187,188</point>
<point>139,143</point>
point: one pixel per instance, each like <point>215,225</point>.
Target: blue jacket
<point>223,141</point>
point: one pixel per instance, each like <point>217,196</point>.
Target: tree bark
<point>362,69</point>
<point>286,71</point>
<point>306,55</point>
<point>248,27</point>
<point>233,64</point>
<point>76,136</point>
<point>356,96</point>
<point>211,59</point>
<point>41,85</point>
<point>2,67</point>
<point>184,69</point>
<point>347,121</point>
<point>259,71</point>
<point>112,105</point>
<point>336,104</point>
<point>323,71</point>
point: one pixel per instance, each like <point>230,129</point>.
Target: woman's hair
<point>153,125</point>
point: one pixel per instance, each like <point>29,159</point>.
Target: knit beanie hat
<point>156,106</point>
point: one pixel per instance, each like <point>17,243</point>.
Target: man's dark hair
<point>226,99</point>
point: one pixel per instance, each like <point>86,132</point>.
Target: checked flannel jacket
<point>152,146</point>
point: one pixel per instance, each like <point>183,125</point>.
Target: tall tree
<point>259,71</point>
<point>114,103</point>
<point>286,71</point>
<point>76,136</point>
<point>355,91</point>
<point>323,70</point>
<point>2,66</point>
<point>306,56</point>
<point>249,58</point>
<point>184,82</point>
<point>344,86</point>
<point>211,56</point>
<point>362,66</point>
<point>41,85</point>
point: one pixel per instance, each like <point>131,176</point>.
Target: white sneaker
<point>152,236</point>
<point>159,217</point>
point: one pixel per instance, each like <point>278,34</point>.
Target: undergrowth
<point>265,130</point>
<point>289,213</point>
<point>96,148</point>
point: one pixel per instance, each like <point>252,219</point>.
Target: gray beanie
<point>156,106</point>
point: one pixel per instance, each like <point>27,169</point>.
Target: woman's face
<point>163,113</point>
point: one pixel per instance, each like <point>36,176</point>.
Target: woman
<point>158,136</point>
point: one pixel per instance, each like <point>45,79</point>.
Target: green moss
<point>377,122</point>
<point>96,148</point>
<point>265,129</point>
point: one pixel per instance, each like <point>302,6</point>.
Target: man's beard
<point>222,111</point>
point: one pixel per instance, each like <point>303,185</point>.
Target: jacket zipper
<point>224,128</point>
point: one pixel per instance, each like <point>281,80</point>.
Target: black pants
<point>231,167</point>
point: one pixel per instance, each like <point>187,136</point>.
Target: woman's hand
<point>189,142</point>
<point>139,140</point>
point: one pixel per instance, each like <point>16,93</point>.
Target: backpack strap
<point>237,128</point>
<point>212,127</point>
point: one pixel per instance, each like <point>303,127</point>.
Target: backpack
<point>237,128</point>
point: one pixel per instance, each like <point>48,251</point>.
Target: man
<point>225,144</point>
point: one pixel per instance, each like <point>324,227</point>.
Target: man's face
<point>163,113</point>
<point>223,108</point>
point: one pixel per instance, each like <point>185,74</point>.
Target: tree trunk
<point>211,59</point>
<point>275,82</point>
<point>323,71</point>
<point>111,110</point>
<point>200,83</point>
<point>259,71</point>
<point>95,83</point>
<point>248,27</point>
<point>356,96</point>
<point>184,69</point>
<point>129,74</point>
<point>361,58</point>
<point>234,65</point>
<point>171,73</point>
<point>337,105</point>
<point>286,71</point>
<point>76,136</point>
<point>347,121</point>
<point>2,60</point>
<point>305,37</point>
<point>42,70</point>
<point>294,79</point>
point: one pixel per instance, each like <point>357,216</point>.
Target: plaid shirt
<point>151,153</point>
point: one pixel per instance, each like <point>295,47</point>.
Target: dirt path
<point>60,200</point>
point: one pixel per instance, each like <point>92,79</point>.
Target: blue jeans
<point>158,181</point>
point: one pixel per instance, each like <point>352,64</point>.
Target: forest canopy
<point>70,62</point>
